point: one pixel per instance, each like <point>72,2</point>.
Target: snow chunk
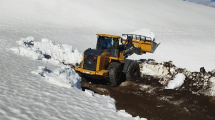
<point>176,82</point>
<point>60,76</point>
<point>145,32</point>
<point>26,42</point>
<point>212,80</point>
<point>89,92</point>
<point>125,114</point>
<point>151,69</point>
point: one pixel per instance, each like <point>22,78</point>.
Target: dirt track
<point>154,102</point>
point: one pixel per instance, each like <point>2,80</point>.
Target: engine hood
<point>93,52</point>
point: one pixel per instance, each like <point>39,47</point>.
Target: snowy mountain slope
<point>180,26</point>
<point>186,32</point>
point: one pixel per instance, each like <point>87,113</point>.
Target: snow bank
<point>60,76</point>
<point>47,50</point>
<point>176,82</point>
<point>162,72</point>
<point>63,53</point>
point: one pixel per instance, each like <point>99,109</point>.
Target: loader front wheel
<point>115,75</point>
<point>133,71</point>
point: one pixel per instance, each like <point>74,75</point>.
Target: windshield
<point>105,43</point>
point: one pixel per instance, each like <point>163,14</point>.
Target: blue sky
<point>204,2</point>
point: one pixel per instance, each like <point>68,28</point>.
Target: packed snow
<point>185,30</point>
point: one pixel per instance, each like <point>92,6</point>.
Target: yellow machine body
<point>105,57</point>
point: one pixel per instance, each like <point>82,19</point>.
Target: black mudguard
<point>126,64</point>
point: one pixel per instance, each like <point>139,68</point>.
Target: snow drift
<point>60,76</point>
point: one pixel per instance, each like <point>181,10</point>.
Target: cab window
<point>105,43</point>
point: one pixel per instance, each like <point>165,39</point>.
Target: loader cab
<point>109,43</point>
<point>105,41</point>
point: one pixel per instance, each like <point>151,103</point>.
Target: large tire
<point>133,72</point>
<point>113,64</point>
<point>115,75</point>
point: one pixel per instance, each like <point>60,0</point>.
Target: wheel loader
<point>108,60</point>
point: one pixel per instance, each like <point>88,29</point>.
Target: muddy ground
<point>149,100</point>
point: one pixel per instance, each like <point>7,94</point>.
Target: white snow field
<point>185,30</point>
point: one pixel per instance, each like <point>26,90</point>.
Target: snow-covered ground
<point>185,30</point>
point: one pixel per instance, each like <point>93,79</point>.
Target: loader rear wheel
<point>133,71</point>
<point>115,75</point>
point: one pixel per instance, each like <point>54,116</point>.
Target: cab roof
<point>107,35</point>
